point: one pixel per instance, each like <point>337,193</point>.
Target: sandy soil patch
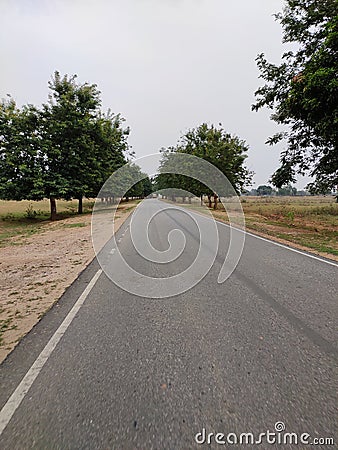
<point>36,270</point>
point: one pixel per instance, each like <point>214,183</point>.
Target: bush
<point>31,213</point>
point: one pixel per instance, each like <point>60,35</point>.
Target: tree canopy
<point>213,144</point>
<point>65,149</point>
<point>302,92</point>
<point>264,190</point>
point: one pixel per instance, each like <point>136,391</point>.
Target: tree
<point>226,152</point>
<point>83,145</point>
<point>26,166</point>
<point>128,181</point>
<point>112,146</point>
<point>264,190</point>
<point>21,175</point>
<point>147,186</point>
<point>302,92</point>
<point>287,190</point>
<point>66,150</point>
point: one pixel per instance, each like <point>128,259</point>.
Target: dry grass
<point>25,218</point>
<point>311,222</point>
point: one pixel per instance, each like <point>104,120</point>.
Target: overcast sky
<point>165,65</point>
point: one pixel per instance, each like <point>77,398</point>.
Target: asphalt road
<point>140,373</point>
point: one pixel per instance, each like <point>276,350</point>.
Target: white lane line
<point>281,245</point>
<point>331,263</point>
<point>20,392</point>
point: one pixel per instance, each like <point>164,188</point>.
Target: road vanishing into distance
<point>106,369</point>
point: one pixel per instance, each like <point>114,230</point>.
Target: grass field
<point>39,210</point>
<point>25,218</point>
<point>311,222</point>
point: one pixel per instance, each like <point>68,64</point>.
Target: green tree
<point>287,190</point>
<point>128,181</point>
<point>215,145</point>
<point>111,147</point>
<point>302,92</point>
<point>21,174</point>
<point>83,145</point>
<point>264,190</point>
<point>147,186</point>
<point>65,150</point>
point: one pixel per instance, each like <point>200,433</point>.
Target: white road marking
<point>125,231</point>
<point>112,251</point>
<point>281,245</point>
<point>20,392</point>
<point>332,263</point>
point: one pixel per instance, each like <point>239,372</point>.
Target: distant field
<point>311,222</point>
<point>25,218</point>
<point>12,209</point>
<point>300,206</point>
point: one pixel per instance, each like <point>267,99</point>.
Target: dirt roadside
<point>36,270</point>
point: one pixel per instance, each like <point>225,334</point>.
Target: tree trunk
<point>201,199</point>
<point>209,200</point>
<point>80,208</point>
<point>215,200</point>
<point>52,208</point>
<point>190,200</point>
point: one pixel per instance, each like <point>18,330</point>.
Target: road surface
<point>127,372</point>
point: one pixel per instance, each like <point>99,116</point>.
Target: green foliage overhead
<point>302,92</point>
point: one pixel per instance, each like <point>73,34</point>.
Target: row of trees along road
<point>302,92</point>
<point>128,183</point>
<point>215,145</point>
<point>269,190</point>
<point>65,149</point>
